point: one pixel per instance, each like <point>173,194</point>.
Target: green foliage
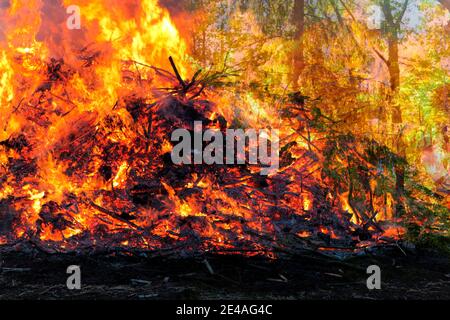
<point>346,70</point>
<point>428,240</point>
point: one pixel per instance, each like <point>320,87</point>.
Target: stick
<point>174,67</point>
<point>114,215</point>
<point>15,269</point>
<point>208,266</point>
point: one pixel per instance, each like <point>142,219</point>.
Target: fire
<point>307,203</point>
<point>36,198</point>
<point>85,143</point>
<point>394,231</point>
<point>135,30</point>
<point>120,177</point>
<point>346,207</point>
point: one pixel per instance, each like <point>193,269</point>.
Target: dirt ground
<point>421,275</point>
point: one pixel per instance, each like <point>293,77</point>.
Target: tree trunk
<point>393,27</point>
<point>394,66</point>
<point>394,74</point>
<point>204,46</point>
<point>298,54</point>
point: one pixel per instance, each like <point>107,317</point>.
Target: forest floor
<point>422,275</point>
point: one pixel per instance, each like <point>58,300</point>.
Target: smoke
<point>4,5</point>
<point>53,17</point>
<point>174,7</point>
<point>183,16</point>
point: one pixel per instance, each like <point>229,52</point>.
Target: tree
<point>392,28</point>
<point>394,12</point>
<point>298,20</point>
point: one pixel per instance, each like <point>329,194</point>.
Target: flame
<point>84,143</point>
<point>76,97</point>
<point>120,177</point>
<point>346,207</point>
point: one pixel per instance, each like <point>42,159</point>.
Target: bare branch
<point>379,54</point>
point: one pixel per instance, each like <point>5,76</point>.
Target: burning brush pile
<point>85,151</point>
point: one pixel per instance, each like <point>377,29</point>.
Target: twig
<point>180,80</point>
<point>15,269</point>
<point>208,266</point>
<point>114,215</point>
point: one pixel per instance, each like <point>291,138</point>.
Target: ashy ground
<point>418,275</point>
